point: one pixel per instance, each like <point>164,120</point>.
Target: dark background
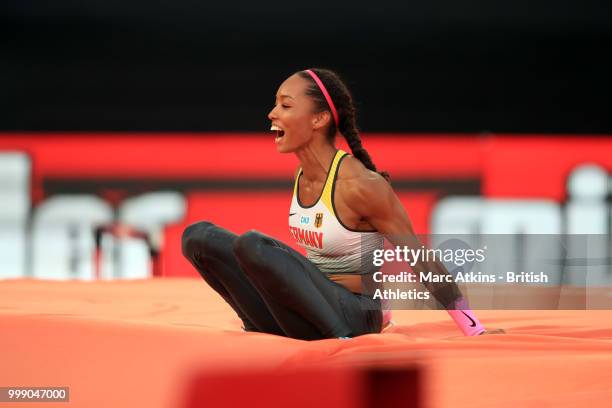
<point>186,65</point>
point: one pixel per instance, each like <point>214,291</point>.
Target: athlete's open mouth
<point>279,132</point>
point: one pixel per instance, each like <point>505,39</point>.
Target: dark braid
<point>347,116</point>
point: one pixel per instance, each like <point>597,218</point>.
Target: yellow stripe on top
<point>297,178</point>
<point>326,196</point>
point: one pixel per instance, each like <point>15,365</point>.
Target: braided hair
<point>347,121</point>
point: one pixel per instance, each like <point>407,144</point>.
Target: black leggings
<point>274,289</point>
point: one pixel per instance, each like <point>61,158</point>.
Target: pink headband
<point>326,95</point>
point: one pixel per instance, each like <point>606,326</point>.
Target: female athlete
<point>341,208</point>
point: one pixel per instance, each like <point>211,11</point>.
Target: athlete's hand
<point>493,331</point>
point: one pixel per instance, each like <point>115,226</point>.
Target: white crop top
<point>331,246</point>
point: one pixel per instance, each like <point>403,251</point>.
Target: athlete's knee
<point>248,247</point>
<point>194,238</point>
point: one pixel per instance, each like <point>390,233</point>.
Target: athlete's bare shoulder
<point>353,173</point>
<point>359,185</point>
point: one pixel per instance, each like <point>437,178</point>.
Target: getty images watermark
<point>492,271</point>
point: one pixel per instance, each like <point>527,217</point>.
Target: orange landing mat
<point>138,343</point>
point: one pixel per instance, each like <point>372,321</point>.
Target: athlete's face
<point>293,118</point>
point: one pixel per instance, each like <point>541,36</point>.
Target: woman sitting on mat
<point>341,208</point>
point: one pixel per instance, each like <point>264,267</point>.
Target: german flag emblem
<point>319,220</point>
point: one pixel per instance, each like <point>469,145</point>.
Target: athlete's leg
<point>209,249</point>
<point>305,303</point>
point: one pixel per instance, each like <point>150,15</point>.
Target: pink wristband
<point>465,318</point>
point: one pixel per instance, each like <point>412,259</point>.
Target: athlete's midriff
<point>349,281</point>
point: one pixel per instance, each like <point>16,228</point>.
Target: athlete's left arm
<point>372,197</point>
